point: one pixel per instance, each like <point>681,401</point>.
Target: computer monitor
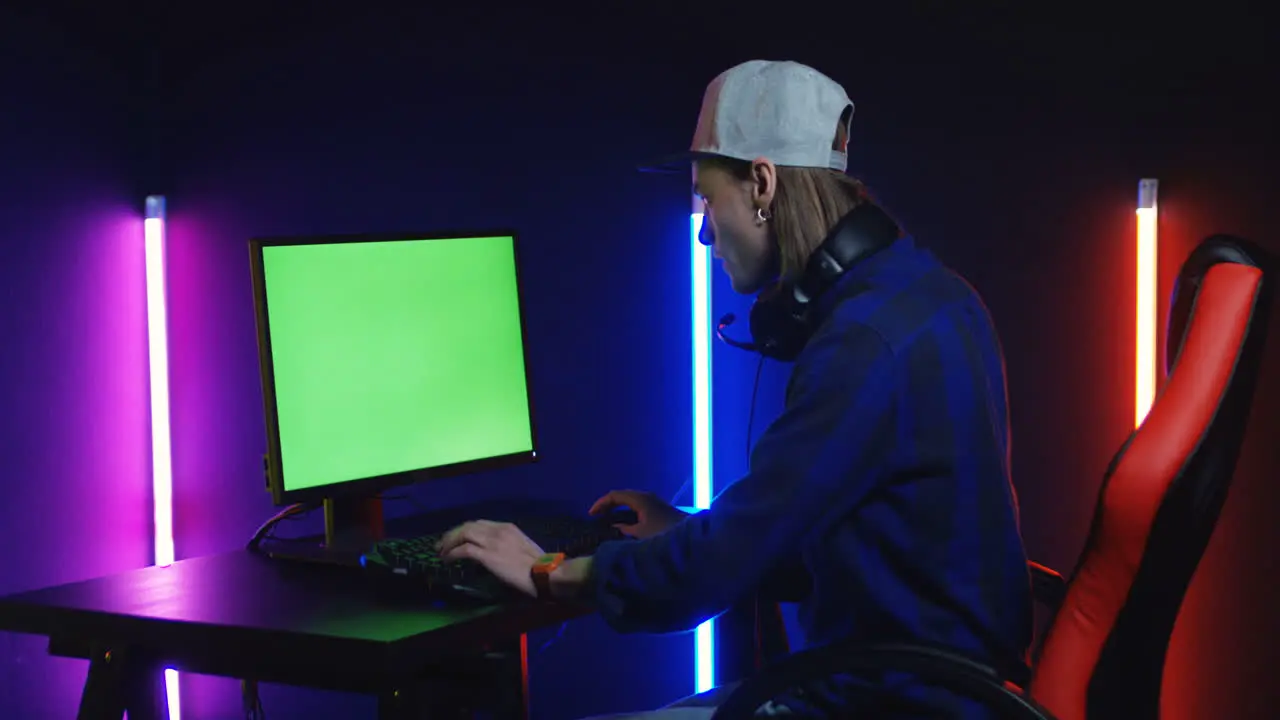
<point>388,360</point>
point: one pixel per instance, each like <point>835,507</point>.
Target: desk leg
<point>101,698</point>
<point>512,679</point>
<point>121,681</point>
<point>401,704</point>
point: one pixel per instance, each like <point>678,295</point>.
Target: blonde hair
<point>807,204</point>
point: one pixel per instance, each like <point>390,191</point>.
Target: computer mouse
<point>619,516</point>
<point>483,593</point>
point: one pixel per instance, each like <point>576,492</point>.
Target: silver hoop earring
<point>762,217</point>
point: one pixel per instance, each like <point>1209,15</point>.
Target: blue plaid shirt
<point>886,476</point>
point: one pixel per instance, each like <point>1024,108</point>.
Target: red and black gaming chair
<point>1103,655</point>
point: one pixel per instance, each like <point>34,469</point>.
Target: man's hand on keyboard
<point>501,548</point>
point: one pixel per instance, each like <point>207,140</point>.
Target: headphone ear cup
<point>778,328</point>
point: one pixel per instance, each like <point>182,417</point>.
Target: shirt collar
<point>857,275</point>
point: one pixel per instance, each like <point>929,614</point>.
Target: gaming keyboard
<point>416,559</point>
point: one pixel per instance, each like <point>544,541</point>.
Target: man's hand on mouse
<point>501,548</point>
<point>654,515</point>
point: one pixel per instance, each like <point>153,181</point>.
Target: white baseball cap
<point>780,110</point>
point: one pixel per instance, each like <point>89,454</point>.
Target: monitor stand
<point>351,526</point>
<point>352,523</point>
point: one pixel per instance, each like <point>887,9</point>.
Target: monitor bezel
<point>372,486</point>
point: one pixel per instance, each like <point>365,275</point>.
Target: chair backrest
<point>1103,654</point>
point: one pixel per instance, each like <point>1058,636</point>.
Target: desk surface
<point>243,615</point>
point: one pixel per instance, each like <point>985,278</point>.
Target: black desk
<point>244,616</point>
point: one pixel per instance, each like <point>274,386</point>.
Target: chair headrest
<point>1214,250</point>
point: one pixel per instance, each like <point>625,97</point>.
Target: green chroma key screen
<point>394,356</point>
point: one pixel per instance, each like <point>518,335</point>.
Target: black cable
<point>257,713</point>
<point>675,499</point>
<point>267,529</point>
<point>751,414</point>
<point>553,639</point>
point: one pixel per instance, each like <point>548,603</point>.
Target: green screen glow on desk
<point>395,356</point>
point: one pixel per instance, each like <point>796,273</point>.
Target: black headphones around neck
<point>781,317</point>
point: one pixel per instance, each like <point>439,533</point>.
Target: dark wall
<point>73,374</point>
<point>1014,153</point>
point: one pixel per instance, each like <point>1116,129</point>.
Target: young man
<point>887,474</point>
